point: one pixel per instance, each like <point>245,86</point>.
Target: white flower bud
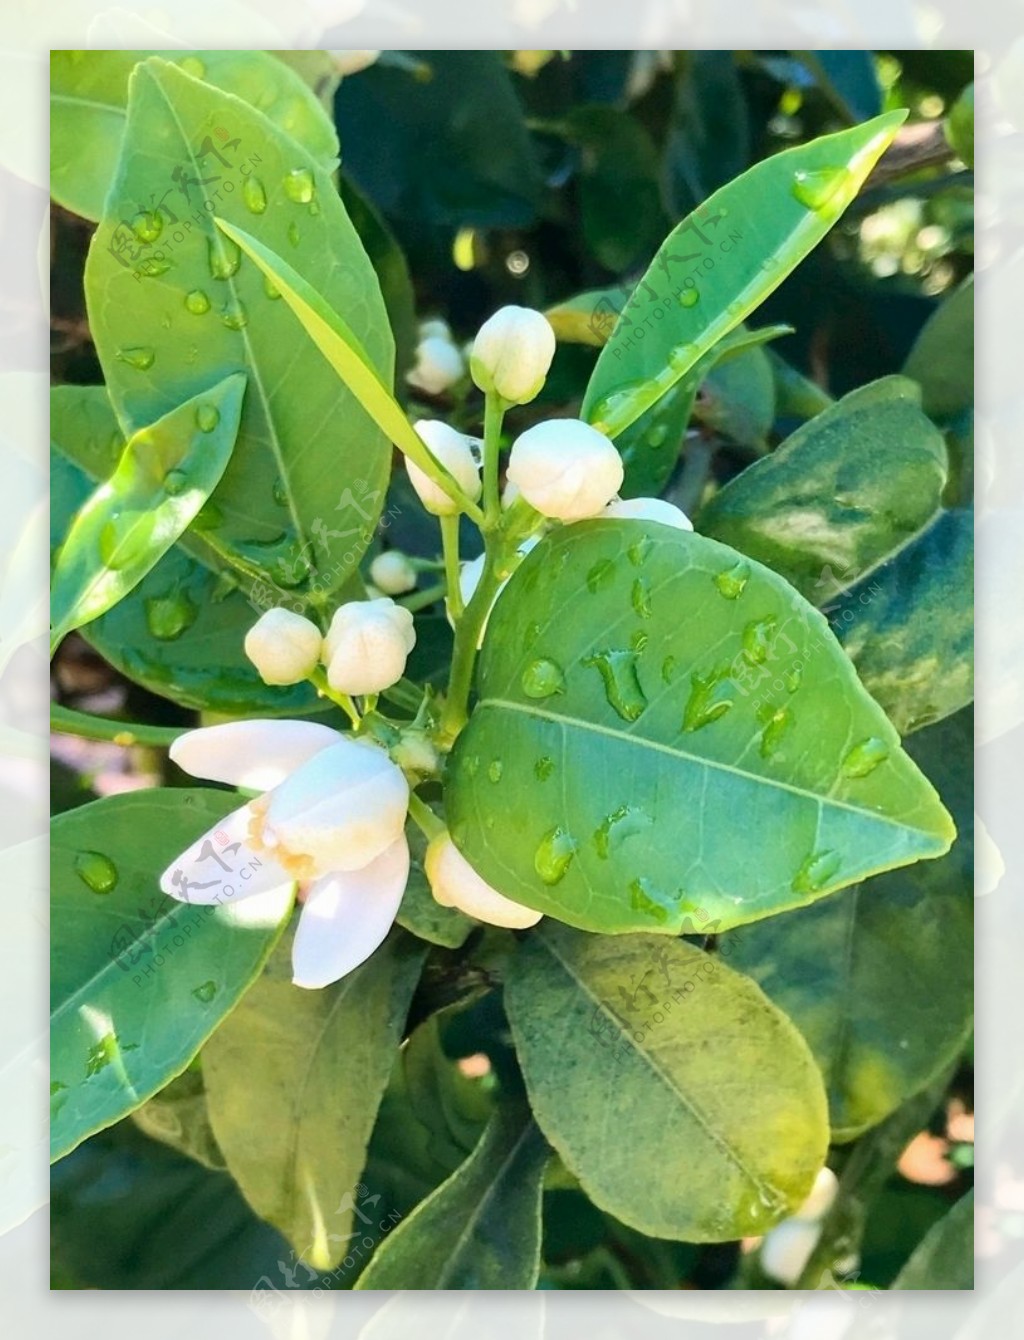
<point>647,509</point>
<point>455,452</point>
<point>367,645</point>
<point>565,469</point>
<point>435,327</point>
<point>351,62</point>
<point>392,573</point>
<point>787,1248</point>
<point>283,646</point>
<point>512,354</point>
<point>821,1198</point>
<point>338,811</point>
<point>439,364</point>
<point>454,883</point>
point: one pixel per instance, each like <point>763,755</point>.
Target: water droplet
<point>792,678</point>
<point>638,640</point>
<point>101,1054</point>
<point>314,208</point>
<point>543,678</point>
<point>530,635</point>
<point>167,617</point>
<point>205,992</point>
<point>197,302</point>
<point>294,236</point>
<point>141,357</point>
<point>174,482</point>
<point>775,723</point>
<point>644,897</point>
<point>756,640</point>
<point>618,671</point>
<point>97,872</point>
<point>732,581</point>
<point>658,435</point>
<point>280,493</point>
<point>148,226</point>
<point>625,822</point>
<point>641,598</point>
<point>817,187</point>
<point>615,403</point>
<point>600,575</point>
<point>689,297</point>
<point>292,567</point>
<point>865,757</point>
<point>270,288</point>
<point>153,267</point>
<point>816,872</point>
<point>554,855</point>
<point>299,186</point>
<point>637,552</point>
<point>235,317</point>
<point>192,65</point>
<point>669,666</point>
<point>543,768</point>
<point>254,195</point>
<point>224,256</point>
<point>207,418</point>
<point>494,770</point>
<point>702,707</point>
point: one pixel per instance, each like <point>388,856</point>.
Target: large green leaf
<point>481,1228</point>
<point>687,1105</point>
<point>165,475</point>
<point>908,626</point>
<point>722,261</point>
<point>945,1258</point>
<point>841,494</point>
<point>293,1082</point>
<point>879,979</point>
<point>942,359</point>
<point>177,1116</point>
<point>138,981</point>
<point>644,690</point>
<point>172,303</point>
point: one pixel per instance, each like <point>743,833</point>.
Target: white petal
<point>255,754</point>
<point>221,867</point>
<point>346,916</point>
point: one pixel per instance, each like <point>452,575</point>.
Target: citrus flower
<point>454,883</point>
<point>392,573</point>
<point>455,452</point>
<point>283,646</point>
<point>512,353</point>
<point>565,469</point>
<point>367,645</point>
<point>439,361</point>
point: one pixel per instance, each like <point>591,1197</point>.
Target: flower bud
<point>454,883</point>
<point>565,469</point>
<point>367,645</point>
<point>351,62</point>
<point>439,364</point>
<point>512,353</point>
<point>392,573</point>
<point>455,453</point>
<point>647,509</point>
<point>787,1248</point>
<point>283,646</point>
<point>821,1197</point>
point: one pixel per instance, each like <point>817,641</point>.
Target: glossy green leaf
<point>942,359</point>
<point>177,1116</point>
<point>737,399</point>
<point>89,101</point>
<point>945,1258</point>
<point>641,691</point>
<point>165,475</point>
<point>172,303</point>
<point>846,490</point>
<point>908,626</point>
<point>293,1082</point>
<point>138,981</point>
<point>687,1105</point>
<point>879,979</point>
<point>481,1228</point>
<point>722,261</point>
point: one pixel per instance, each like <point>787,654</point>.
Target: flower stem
<point>467,634</point>
<point>424,817</point>
<point>66,721</point>
<point>421,600</point>
<point>494,412</point>
<point>319,681</point>
<point>450,542</point>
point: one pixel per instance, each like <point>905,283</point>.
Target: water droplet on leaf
<point>494,770</point>
<point>167,617</point>
<point>732,581</point>
<point>197,302</point>
<point>618,671</point>
<point>254,195</point>
<point>192,65</point>
<point>756,640</point>
<point>224,256</point>
<point>702,707</point>
<point>865,757</point>
<point>816,871</point>
<point>294,236</point>
<point>205,992</point>
<point>207,418</point>
<point>543,768</point>
<point>96,871</point>
<point>141,357</point>
<point>689,297</point>
<point>235,317</point>
<point>299,186</point>
<point>554,855</point>
<point>543,678</point>
<point>644,897</point>
<point>174,482</point>
<point>775,723</point>
<point>641,598</point>
<point>148,226</point>
<point>817,187</point>
<point>625,822</point>
<point>600,575</point>
<point>637,552</point>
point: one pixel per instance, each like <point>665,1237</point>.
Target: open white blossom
<point>454,883</point>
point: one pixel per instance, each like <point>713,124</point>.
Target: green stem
<point>66,721</point>
<point>424,818</point>
<point>494,412</point>
<point>467,635</point>
<point>450,542</point>
<point>319,681</point>
<point>404,694</point>
<point>421,600</point>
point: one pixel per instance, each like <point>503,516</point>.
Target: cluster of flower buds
<point>439,360</point>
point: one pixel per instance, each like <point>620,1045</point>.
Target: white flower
<point>392,573</point>
<point>454,883</point>
<point>455,452</point>
<point>367,645</point>
<point>787,1248</point>
<point>512,354</point>
<point>351,62</point>
<point>439,361</point>
<point>283,646</point>
<point>332,816</point>
<point>565,469</point>
<point>821,1198</point>
<point>647,509</point>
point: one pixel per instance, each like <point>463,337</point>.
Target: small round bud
<point>512,353</point>
<point>565,469</point>
<point>435,327</point>
<point>454,883</point>
<point>822,1194</point>
<point>647,509</point>
<point>455,452</point>
<point>787,1248</point>
<point>439,365</point>
<point>283,646</point>
<point>392,573</point>
<point>367,645</point>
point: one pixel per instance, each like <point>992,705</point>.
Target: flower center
<point>262,837</point>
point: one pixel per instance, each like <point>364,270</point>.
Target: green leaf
<point>171,303</point>
<point>642,691</point>
<point>293,1082</point>
<point>165,475</point>
<point>908,626</point>
<point>687,1105</point>
<point>481,1228</point>
<point>840,495</point>
<point>177,1116</point>
<point>945,1258</point>
<point>848,80</point>
<point>88,109</point>
<point>709,139</point>
<point>942,359</point>
<point>737,399</point>
<point>138,981</point>
<point>960,125</point>
<point>879,979</point>
<point>735,250</point>
<point>392,271</point>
